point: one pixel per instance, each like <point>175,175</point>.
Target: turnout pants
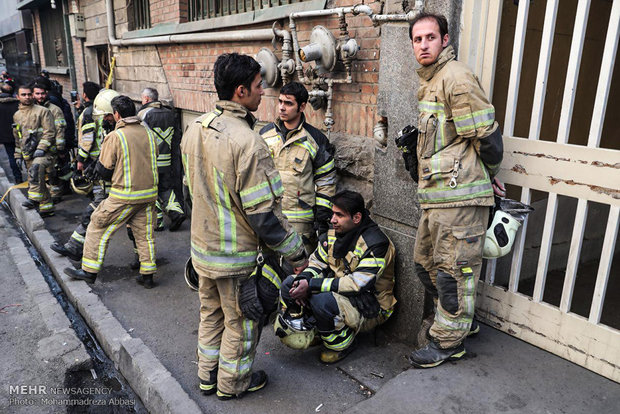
<point>226,340</point>
<point>75,244</point>
<point>37,189</point>
<point>337,320</point>
<point>111,215</point>
<point>167,201</point>
<point>448,258</point>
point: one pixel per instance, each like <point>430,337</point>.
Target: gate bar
<point>611,233</point>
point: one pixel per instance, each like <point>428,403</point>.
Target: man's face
<point>427,42</point>
<point>24,96</point>
<point>145,100</point>
<point>288,110</point>
<point>40,95</point>
<point>251,98</point>
<point>343,222</point>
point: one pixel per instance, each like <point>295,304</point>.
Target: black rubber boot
<point>80,274</point>
<point>258,382</point>
<point>431,355</point>
<point>148,281</point>
<point>63,251</point>
<point>29,204</point>
<point>209,387</point>
<point>176,222</point>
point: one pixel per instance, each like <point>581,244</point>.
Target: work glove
<point>19,162</point>
<point>38,153</point>
<point>89,172</point>
<point>366,303</point>
<point>248,300</point>
<point>407,141</point>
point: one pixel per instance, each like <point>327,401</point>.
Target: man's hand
<point>19,162</point>
<point>299,269</point>
<point>300,291</point>
<point>80,166</point>
<point>38,153</point>
<point>498,187</point>
<point>248,300</point>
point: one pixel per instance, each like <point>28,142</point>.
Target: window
<point>141,14</point>
<point>53,36</point>
<point>206,9</point>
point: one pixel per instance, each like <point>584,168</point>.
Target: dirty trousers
<point>226,340</point>
<point>37,189</point>
<point>75,244</point>
<point>448,258</point>
<point>107,218</point>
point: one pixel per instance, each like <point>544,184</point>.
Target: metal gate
<point>586,173</point>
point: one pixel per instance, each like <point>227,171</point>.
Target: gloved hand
<point>19,162</point>
<point>366,303</point>
<point>89,172</point>
<point>38,153</point>
<point>248,300</point>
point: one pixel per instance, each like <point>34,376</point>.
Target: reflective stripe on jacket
<point>307,167</point>
<point>59,123</point>
<point>236,193</point>
<point>162,121</point>
<point>456,124</point>
<point>131,152</point>
<point>90,135</point>
<point>33,120</point>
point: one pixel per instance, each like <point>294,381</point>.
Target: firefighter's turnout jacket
<point>129,160</point>
<point>459,144</point>
<point>306,164</point>
<point>236,192</point>
<point>90,135</point>
<point>60,125</point>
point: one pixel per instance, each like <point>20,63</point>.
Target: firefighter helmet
<point>500,235</point>
<point>102,105</point>
<point>81,185</point>
<point>293,332</point>
<point>191,277</point>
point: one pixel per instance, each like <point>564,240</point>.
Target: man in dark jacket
<point>8,106</point>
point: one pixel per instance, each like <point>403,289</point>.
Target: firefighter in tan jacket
<point>129,160</point>
<point>236,193</point>
<point>459,151</point>
<point>34,133</point>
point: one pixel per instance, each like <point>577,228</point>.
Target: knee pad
<point>33,173</point>
<point>425,278</point>
<point>448,292</point>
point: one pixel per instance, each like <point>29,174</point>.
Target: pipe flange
<point>269,67</point>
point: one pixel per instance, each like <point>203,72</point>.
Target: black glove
<point>366,303</point>
<point>19,162</point>
<point>89,172</point>
<point>248,299</point>
<point>38,153</point>
<point>407,142</point>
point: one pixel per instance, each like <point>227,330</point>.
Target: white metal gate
<point>585,172</point>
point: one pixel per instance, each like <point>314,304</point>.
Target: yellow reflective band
<point>320,201</point>
<point>305,144</point>
<point>298,214</point>
<point>326,286</point>
<point>327,167</point>
<point>466,270</point>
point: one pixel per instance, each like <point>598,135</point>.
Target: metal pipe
<point>359,9</point>
<point>230,36</point>
<point>379,18</point>
<point>287,65</point>
<point>69,44</point>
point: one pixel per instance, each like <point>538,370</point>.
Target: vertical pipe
<point>69,45</point>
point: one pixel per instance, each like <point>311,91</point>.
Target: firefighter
<point>304,157</point>
<point>459,151</point>
<point>129,160</point>
<point>347,287</point>
<point>162,122</point>
<point>236,193</point>
<point>96,121</point>
<point>34,134</point>
<point>39,92</point>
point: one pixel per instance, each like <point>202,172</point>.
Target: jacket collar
<point>127,121</point>
<point>154,104</point>
<point>23,107</point>
<point>87,104</point>
<point>5,97</point>
<point>237,110</point>
<point>279,124</point>
<point>427,72</point>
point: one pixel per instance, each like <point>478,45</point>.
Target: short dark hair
<point>124,106</point>
<point>41,82</point>
<point>24,87</point>
<point>231,70</point>
<point>442,22</point>
<point>350,201</point>
<point>91,89</point>
<point>6,87</point>
<point>296,89</point>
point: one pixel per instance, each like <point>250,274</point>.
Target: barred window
<point>141,14</point>
<point>53,36</point>
<point>206,9</point>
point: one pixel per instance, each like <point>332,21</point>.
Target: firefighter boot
<point>80,274</point>
<point>209,387</point>
<point>63,251</point>
<point>258,382</point>
<point>29,204</point>
<point>146,281</point>
<point>432,355</point>
<point>329,356</point>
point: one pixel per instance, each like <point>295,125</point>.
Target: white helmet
<point>102,105</point>
<point>500,235</point>
<point>191,277</point>
<point>293,332</point>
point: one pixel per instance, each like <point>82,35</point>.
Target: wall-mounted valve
<point>269,67</point>
<point>322,49</point>
<point>348,49</point>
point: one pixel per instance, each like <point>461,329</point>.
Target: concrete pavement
<point>144,329</point>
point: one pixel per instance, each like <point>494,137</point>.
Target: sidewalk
<point>158,328</point>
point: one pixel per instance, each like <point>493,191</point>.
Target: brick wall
<point>168,11</point>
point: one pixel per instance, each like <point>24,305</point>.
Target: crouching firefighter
<point>129,160</point>
<point>347,287</point>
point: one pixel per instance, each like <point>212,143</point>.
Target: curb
<point>157,388</point>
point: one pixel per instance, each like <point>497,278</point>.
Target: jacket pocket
<point>427,135</point>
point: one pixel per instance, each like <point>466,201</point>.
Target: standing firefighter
<point>96,121</point>
<point>302,155</point>
<point>163,123</point>
<point>129,160</point>
<point>459,150</point>
<point>236,193</point>
<point>34,133</point>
